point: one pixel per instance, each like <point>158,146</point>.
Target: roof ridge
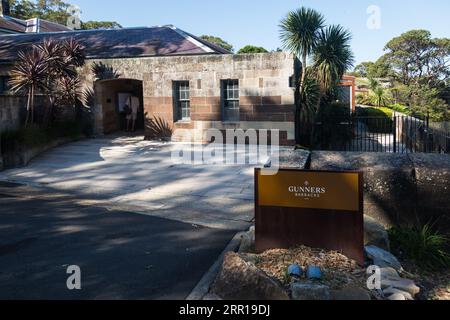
<point>188,37</point>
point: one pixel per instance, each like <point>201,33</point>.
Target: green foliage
<point>378,120</point>
<point>52,10</point>
<point>300,31</point>
<point>427,248</point>
<point>303,32</point>
<point>332,56</point>
<point>90,25</point>
<point>400,108</point>
<point>252,49</point>
<point>378,69</point>
<point>423,100</point>
<point>378,96</point>
<point>415,57</point>
<point>218,41</point>
<point>419,74</point>
<point>310,98</point>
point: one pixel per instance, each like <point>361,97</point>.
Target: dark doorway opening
<point>113,96</point>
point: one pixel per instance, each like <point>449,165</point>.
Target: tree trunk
<point>298,109</point>
<point>32,104</point>
<point>28,108</point>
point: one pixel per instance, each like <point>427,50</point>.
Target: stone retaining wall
<point>11,108</point>
<point>399,188</point>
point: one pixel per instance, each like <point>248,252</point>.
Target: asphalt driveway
<point>128,173</point>
<point>122,255</point>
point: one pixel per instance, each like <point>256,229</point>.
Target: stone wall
<point>266,99</point>
<point>403,189</point>
<point>11,108</point>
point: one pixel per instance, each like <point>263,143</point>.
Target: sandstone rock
<point>388,272</point>
<point>375,234</point>
<point>433,186</point>
<point>310,291</point>
<point>391,291</point>
<point>240,280</point>
<point>401,284</point>
<point>248,241</point>
<point>382,258</point>
<point>389,182</point>
<point>397,297</point>
<point>351,293</point>
<point>294,159</point>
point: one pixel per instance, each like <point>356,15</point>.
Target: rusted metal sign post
<point>313,208</point>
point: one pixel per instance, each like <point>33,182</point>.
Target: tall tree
<point>416,57</point>
<point>304,34</point>
<point>252,49</point>
<point>299,34</point>
<point>332,56</point>
<point>53,10</point>
<point>218,41</point>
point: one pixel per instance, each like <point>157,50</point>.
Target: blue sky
<point>243,22</point>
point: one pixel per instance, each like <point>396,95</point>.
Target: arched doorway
<point>111,96</point>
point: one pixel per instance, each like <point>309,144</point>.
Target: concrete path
<point>122,255</point>
<point>128,173</point>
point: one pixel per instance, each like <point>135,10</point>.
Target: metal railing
<point>399,134</point>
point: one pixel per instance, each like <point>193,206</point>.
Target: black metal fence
<point>399,134</point>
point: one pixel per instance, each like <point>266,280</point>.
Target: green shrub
<point>428,249</point>
<point>400,108</point>
<point>378,120</point>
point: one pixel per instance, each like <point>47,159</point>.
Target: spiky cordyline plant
<point>303,34</point>
<point>29,75</point>
<point>299,34</point>
<point>49,67</point>
<point>332,56</point>
<point>104,72</point>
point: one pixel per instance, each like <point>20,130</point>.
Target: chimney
<point>4,8</point>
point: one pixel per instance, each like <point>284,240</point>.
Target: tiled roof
<point>13,25</point>
<point>45,26</point>
<point>117,43</point>
<point>8,24</point>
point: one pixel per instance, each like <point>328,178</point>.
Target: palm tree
<point>380,96</point>
<point>332,56</point>
<point>303,33</point>
<point>30,75</point>
<point>299,34</point>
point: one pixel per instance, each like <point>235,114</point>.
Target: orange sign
<point>310,190</point>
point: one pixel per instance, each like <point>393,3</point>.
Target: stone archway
<point>108,95</point>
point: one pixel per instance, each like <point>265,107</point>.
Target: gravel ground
<point>339,271</point>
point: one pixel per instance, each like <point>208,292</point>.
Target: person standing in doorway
<point>134,110</point>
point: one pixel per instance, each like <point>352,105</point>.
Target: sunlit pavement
<point>128,173</point>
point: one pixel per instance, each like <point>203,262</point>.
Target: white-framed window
<point>182,100</point>
<point>230,100</point>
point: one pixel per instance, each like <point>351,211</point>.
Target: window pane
<point>182,100</point>
<point>230,89</point>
